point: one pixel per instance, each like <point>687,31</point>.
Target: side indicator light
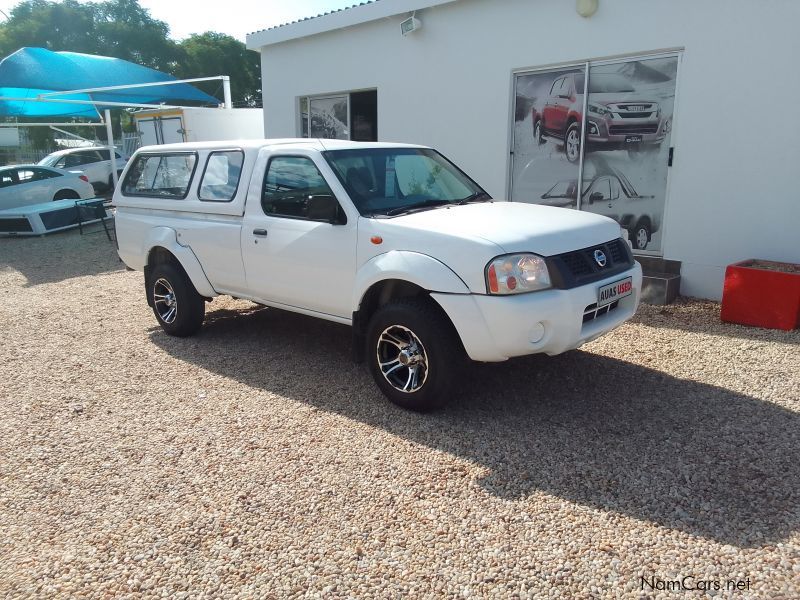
<point>493,287</point>
<point>376,239</point>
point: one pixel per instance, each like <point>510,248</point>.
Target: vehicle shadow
<point>594,430</point>
<point>64,255</point>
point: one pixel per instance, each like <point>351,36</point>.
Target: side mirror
<point>325,208</point>
<point>595,197</point>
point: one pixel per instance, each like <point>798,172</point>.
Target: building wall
<point>732,192</point>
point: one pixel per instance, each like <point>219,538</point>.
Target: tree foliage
<point>123,29</point>
<point>210,53</point>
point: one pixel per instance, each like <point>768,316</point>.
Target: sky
<point>237,18</point>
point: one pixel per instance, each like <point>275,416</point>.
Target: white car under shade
<point>24,185</point>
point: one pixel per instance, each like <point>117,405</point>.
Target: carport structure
<point>36,82</point>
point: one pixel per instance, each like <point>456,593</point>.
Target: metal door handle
<point>260,232</point>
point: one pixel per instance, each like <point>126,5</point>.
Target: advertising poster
<point>329,118</point>
<point>628,124</point>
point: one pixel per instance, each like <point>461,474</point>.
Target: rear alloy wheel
<point>178,307</point>
<point>414,355</point>
<point>572,142</point>
<point>641,235</point>
<point>538,134</point>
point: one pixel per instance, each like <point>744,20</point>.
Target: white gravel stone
<point>255,460</point>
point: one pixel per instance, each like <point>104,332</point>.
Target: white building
<point>500,87</point>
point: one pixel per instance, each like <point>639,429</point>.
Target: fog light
<point>537,333</point>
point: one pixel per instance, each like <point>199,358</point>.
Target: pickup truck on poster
<point>394,240</point>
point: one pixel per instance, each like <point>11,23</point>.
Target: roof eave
<point>349,17</point>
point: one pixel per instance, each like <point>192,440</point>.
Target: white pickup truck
<point>392,239</point>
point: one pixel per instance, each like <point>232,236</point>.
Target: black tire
<point>429,339</point>
<point>169,288</point>
<point>538,132</point>
<point>572,142</point>
<point>640,234</point>
<point>66,195</point>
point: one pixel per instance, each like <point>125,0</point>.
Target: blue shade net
<point>29,72</point>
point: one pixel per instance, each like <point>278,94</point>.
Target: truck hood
<point>517,226</point>
<point>466,238</point>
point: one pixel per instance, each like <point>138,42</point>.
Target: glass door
<point>628,131</point>
<point>611,133</point>
<point>547,133</point>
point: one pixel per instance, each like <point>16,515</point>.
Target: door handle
<point>260,232</point>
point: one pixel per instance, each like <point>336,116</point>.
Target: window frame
<point>341,211</point>
<point>326,154</point>
<point>301,122</point>
<point>205,168</point>
<point>162,155</point>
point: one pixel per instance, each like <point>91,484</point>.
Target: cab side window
<point>294,188</point>
<point>221,177</point>
<point>161,175</point>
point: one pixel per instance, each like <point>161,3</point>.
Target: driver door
<point>295,251</point>
<point>598,198</point>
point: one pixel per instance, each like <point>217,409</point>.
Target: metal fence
<point>130,143</point>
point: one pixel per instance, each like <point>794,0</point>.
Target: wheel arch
<point>398,274</point>
<point>161,245</point>
<point>646,220</point>
<point>73,194</point>
<point>410,268</point>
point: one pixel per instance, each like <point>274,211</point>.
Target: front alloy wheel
<point>414,354</point>
<point>572,143</point>
<point>402,359</point>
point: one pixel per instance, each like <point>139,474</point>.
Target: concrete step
<point>660,287</point>
<point>654,264</point>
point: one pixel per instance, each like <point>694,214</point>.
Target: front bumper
<point>616,131</point>
<point>495,328</point>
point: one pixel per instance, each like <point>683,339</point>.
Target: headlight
<point>667,126</point>
<point>517,274</point>
<point>599,110</point>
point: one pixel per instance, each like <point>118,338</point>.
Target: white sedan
<point>94,162</point>
<point>23,185</point>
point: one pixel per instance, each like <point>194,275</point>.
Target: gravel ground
<point>256,460</point>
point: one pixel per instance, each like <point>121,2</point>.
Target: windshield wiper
<point>476,197</point>
<point>414,207</point>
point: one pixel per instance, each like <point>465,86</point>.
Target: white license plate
<point>633,139</point>
<point>614,291</point>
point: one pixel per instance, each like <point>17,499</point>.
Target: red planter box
<point>762,293</point>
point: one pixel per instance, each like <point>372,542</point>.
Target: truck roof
<point>287,143</point>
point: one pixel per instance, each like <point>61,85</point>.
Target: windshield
<point>605,83</point>
<point>48,161</point>
<point>384,181</point>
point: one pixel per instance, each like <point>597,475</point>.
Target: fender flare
<point>166,238</point>
<point>420,269</point>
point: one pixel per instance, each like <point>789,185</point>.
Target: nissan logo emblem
<point>600,258</point>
